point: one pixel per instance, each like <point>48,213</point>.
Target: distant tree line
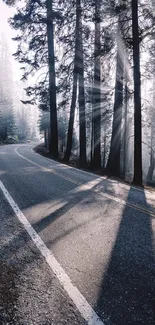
<point>7,117</point>
<point>17,123</point>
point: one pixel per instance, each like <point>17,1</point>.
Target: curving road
<point>75,248</point>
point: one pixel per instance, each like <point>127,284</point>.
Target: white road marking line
<point>78,299</point>
<point>89,186</point>
<point>30,161</point>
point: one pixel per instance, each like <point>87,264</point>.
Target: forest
<point>94,68</point>
<point>17,122</point>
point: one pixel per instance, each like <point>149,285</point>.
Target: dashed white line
<point>78,299</point>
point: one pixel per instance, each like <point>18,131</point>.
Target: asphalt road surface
<point>75,248</point>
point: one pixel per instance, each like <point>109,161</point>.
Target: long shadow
<point>48,219</point>
<point>127,294</point>
<point>22,239</point>
<point>72,201</point>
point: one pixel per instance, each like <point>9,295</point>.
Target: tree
<point>81,99</point>
<point>73,73</point>
<point>74,91</point>
<point>52,83</point>
<point>81,67</point>
<point>8,127</point>
<point>35,51</point>
<point>113,165</point>
<point>137,96</point>
<point>97,91</point>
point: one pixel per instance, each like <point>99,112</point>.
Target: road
<point>75,248</point>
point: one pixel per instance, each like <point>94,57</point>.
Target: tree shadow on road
<point>127,295</point>
<point>21,239</point>
<point>73,200</point>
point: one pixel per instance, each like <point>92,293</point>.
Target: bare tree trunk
<point>71,119</point>
<point>74,92</point>
<point>125,128</point>
<point>151,167</point>
<point>137,97</point>
<point>82,120</point>
<point>113,165</point>
<point>45,138</point>
<point>97,91</point>
<point>52,85</point>
<point>104,152</point>
<point>152,153</point>
<point>92,139</point>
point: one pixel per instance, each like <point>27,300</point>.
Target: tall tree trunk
<point>113,165</point>
<point>53,147</point>
<point>71,118</point>
<point>152,153</point>
<point>82,120</point>
<point>137,97</point>
<point>152,164</point>
<point>74,91</point>
<point>92,139</point>
<point>104,150</point>
<point>125,140</point>
<point>97,91</point>
<point>45,138</point>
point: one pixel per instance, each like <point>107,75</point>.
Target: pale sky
<point>5,13</point>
